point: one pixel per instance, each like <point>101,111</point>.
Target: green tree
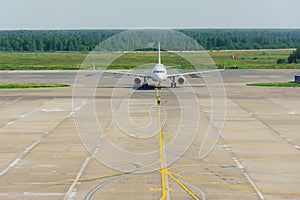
<point>295,56</point>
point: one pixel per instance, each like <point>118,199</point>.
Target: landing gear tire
<point>173,84</point>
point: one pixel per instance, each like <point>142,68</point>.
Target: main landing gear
<point>145,84</point>
<point>173,83</point>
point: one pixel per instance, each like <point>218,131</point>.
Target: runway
<point>42,156</point>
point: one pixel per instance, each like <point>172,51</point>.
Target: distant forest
<point>86,40</point>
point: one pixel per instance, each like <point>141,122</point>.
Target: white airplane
<point>159,74</point>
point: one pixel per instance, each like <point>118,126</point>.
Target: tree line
<point>52,40</point>
<point>87,40</point>
<point>238,39</point>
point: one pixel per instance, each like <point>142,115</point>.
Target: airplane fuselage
<point>159,73</point>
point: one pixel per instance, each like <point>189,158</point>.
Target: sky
<point>103,14</point>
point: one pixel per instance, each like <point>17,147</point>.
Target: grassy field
<point>40,61</point>
<point>276,84</point>
<point>131,60</point>
<point>30,85</point>
<point>252,59</point>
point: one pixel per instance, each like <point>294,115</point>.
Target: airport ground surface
<point>256,157</point>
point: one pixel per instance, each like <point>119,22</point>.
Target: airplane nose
<point>161,77</point>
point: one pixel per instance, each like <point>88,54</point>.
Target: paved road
<point>42,156</point>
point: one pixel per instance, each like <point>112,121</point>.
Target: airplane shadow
<point>150,87</point>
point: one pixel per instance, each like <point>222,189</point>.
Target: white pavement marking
<point>36,142</point>
<point>71,114</point>
<point>70,194</point>
<point>26,114</point>
<point>283,136</point>
<point>290,142</point>
<point>14,101</point>
<point>9,123</point>
<point>261,196</point>
<point>240,166</point>
<point>77,108</point>
<point>73,194</point>
<point>19,157</point>
<point>297,147</point>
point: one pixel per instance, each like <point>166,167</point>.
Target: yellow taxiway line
<point>162,155</point>
<point>183,186</point>
<point>164,172</point>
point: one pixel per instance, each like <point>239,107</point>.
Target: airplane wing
<point>196,72</point>
<point>128,74</point>
<point>169,67</point>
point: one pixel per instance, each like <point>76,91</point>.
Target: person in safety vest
<point>158,100</point>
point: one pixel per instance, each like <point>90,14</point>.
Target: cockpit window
<point>157,71</point>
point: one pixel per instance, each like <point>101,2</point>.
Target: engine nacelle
<point>180,80</point>
<point>138,81</point>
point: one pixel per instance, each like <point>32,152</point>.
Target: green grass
<point>134,59</point>
<point>30,85</point>
<point>253,59</point>
<point>41,61</point>
<point>278,84</point>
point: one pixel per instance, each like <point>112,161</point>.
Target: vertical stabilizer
<point>159,60</point>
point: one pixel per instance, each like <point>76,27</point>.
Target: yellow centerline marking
<point>183,186</point>
<point>162,155</point>
<point>163,170</point>
<point>158,189</point>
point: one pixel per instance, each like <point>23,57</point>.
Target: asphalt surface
<point>54,142</point>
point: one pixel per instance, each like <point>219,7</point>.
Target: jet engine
<point>180,80</point>
<point>138,80</point>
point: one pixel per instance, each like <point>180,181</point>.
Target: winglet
<point>159,59</point>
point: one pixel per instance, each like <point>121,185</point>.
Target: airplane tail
<point>159,59</point>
